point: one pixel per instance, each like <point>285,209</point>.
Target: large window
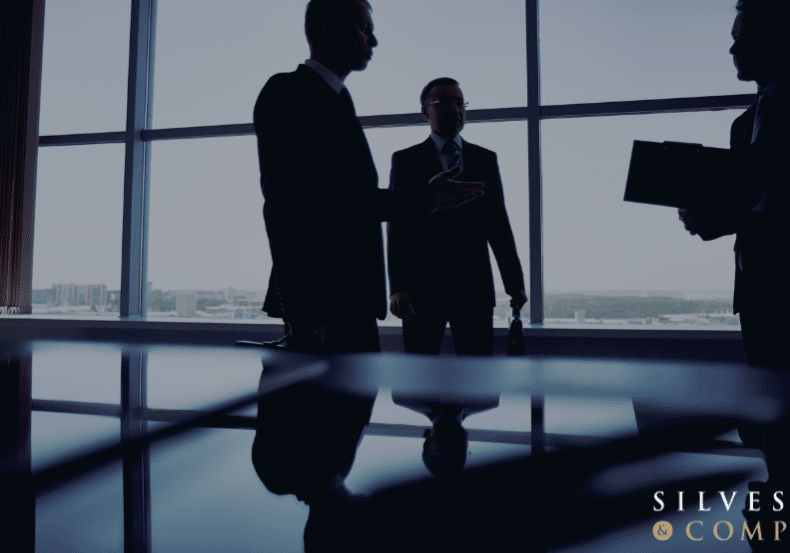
<point>77,253</point>
<point>613,50</point>
<point>608,72</point>
<point>85,66</point>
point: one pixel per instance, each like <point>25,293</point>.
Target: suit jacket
<point>323,208</point>
<point>762,239</point>
<point>446,253</point>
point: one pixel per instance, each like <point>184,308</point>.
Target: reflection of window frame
<point>138,136</point>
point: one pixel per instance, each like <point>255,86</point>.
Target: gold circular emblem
<point>662,530</point>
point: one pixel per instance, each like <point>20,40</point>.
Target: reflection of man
<point>439,266</point>
<point>446,442</point>
<point>305,444</point>
<point>760,135</point>
<point>323,207</point>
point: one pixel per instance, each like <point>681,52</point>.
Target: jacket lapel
<point>432,164</point>
<point>773,120</point>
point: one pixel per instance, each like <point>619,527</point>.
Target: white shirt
<point>331,79</point>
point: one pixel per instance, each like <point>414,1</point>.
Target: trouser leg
<point>473,331</point>
<point>424,332</point>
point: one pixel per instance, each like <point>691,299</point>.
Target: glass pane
<point>212,58</point>
<point>206,496</point>
<point>79,208</point>
<point>636,260</point>
<point>208,255</point>
<point>85,66</point>
<point>194,378</point>
<point>509,141</point>
<point>56,437</point>
<point>611,50</point>
<point>84,515</point>
<point>83,372</point>
<point>480,44</point>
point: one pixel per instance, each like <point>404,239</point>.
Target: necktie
<point>453,154</point>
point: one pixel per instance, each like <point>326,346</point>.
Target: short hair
<point>769,17</point>
<point>320,11</point>
<point>441,81</point>
<point>766,12</point>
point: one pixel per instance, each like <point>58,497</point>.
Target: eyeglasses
<point>447,104</point>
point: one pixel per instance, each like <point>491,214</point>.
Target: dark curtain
<point>21,41</point>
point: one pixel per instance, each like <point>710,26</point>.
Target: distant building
<point>186,304</point>
<point>46,295</point>
<point>79,294</point>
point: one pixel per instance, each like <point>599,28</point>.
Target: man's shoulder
<point>285,83</point>
<point>285,89</point>
<point>416,150</point>
<point>741,119</point>
<point>470,148</point>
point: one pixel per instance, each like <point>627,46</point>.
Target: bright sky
<point>212,58</point>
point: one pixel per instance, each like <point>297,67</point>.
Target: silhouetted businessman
<point>760,138</point>
<point>323,208</point>
<point>439,266</point>
<point>760,135</point>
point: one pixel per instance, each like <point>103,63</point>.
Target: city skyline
<point>644,307</point>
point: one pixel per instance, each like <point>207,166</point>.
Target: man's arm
<point>405,254</point>
<point>502,240</point>
<point>726,217</point>
<point>710,224</point>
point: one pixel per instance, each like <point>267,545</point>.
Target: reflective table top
<point>349,434</point>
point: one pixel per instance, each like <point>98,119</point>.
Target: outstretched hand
<point>446,193</point>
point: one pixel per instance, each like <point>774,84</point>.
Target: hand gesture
<point>446,193</point>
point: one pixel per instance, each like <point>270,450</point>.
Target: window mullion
<point>135,212</point>
<point>534,168</point>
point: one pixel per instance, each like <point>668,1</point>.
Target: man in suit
<point>759,137</point>
<point>439,266</point>
<point>323,208</point>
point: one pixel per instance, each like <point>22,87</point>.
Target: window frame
<point>139,135</point>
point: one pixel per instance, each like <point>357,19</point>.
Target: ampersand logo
<point>662,530</point>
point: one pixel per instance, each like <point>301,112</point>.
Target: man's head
<point>443,107</point>
<point>760,46</point>
<point>445,449</point>
<point>340,33</point>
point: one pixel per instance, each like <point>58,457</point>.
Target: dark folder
<point>677,174</point>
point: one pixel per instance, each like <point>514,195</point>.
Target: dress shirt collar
<point>331,79</point>
<point>770,90</point>
<point>439,141</point>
